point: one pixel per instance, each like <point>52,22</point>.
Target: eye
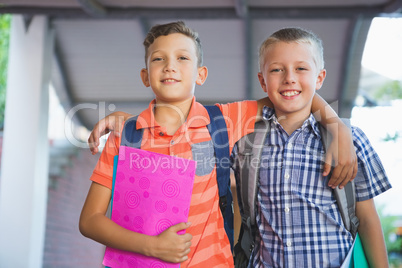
<point>276,70</point>
<point>157,59</point>
<point>183,58</point>
<point>301,69</point>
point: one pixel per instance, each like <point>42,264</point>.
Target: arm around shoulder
<point>341,153</point>
<point>112,122</point>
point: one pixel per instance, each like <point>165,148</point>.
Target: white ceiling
<point>99,50</point>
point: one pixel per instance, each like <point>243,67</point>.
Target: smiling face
<point>290,77</point>
<point>172,71</point>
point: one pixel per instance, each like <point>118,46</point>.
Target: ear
<point>262,82</point>
<point>202,75</point>
<point>320,79</point>
<point>145,77</point>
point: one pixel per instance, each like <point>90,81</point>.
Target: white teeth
<point>290,93</point>
<point>170,80</point>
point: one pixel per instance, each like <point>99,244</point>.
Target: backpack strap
<point>130,136</point>
<point>218,130</point>
<point>248,161</point>
<point>346,197</point>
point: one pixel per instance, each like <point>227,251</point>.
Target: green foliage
<point>389,91</point>
<point>4,42</point>
<point>392,241</point>
<point>392,137</point>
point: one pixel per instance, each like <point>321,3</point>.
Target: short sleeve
<point>103,172</point>
<point>240,119</point>
<point>371,179</point>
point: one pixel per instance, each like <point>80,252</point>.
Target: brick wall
<point>64,244</point>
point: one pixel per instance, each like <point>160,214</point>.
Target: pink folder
<point>151,192</point>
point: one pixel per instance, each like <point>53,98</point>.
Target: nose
<point>289,78</point>
<point>170,66</point>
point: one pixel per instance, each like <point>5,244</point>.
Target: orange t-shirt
<point>210,245</point>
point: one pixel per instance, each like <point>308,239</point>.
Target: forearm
<point>103,230</point>
<point>371,235</point>
<point>324,113</point>
<point>167,246</point>
<point>95,225</point>
<point>112,122</point>
<point>374,245</point>
<point>117,114</point>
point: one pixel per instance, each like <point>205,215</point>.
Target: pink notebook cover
<point>151,192</point>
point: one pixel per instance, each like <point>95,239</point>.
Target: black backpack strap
<point>248,163</point>
<point>346,197</point>
<point>219,135</point>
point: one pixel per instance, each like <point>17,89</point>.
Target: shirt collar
<point>197,116</point>
<point>268,114</point>
<point>146,118</point>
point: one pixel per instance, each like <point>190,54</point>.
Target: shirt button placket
<point>287,182</point>
<point>171,147</point>
<point>288,176</point>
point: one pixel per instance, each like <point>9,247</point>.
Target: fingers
<point>112,122</point>
<point>344,166</point>
<point>355,167</point>
<point>333,181</point>
<point>351,174</point>
<point>101,128</point>
<point>180,227</point>
<point>93,142</point>
<point>180,257</point>
<point>172,246</point>
<point>338,176</point>
<point>184,249</point>
<point>345,159</point>
<point>342,174</point>
<point>327,165</point>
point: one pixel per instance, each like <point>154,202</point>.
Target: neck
<point>291,122</point>
<point>172,115</point>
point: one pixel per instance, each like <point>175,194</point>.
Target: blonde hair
<point>170,28</point>
<point>297,35</point>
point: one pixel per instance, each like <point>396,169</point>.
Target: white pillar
<point>25,157</point>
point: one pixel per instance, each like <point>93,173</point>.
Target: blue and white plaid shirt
<point>297,215</point>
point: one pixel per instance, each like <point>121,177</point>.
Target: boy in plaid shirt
<point>299,224</point>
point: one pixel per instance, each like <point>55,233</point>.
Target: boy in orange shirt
<point>175,124</point>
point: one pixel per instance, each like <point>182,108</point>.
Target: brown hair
<point>170,28</point>
<point>298,35</point>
